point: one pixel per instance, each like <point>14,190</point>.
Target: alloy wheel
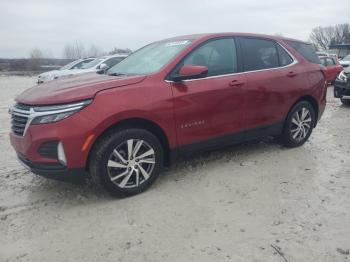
<point>131,163</point>
<point>301,124</point>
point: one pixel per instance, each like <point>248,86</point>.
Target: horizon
<point>50,26</point>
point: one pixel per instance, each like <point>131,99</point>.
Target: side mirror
<point>190,72</point>
<point>101,68</point>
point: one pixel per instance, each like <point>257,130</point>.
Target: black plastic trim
<point>226,140</point>
<point>54,171</point>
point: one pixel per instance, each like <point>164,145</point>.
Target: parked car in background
<point>342,86</point>
<point>101,63</point>
<point>345,62</point>
<point>172,97</point>
<point>89,65</point>
<point>50,75</point>
<point>321,54</point>
<point>332,67</point>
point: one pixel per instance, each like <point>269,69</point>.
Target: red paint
<point>187,112</point>
<point>192,70</point>
<point>331,71</point>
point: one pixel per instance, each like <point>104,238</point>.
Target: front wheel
<point>127,161</point>
<point>299,124</point>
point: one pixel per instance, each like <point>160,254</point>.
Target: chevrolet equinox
<point>172,97</point>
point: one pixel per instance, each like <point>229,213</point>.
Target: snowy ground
<point>237,204</point>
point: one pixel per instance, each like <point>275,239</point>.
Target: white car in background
<point>94,65</point>
<point>50,75</point>
<point>345,62</point>
<point>320,54</point>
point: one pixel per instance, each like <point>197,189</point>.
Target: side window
<point>306,50</point>
<point>284,58</point>
<point>218,55</point>
<point>259,54</point>
<point>330,61</point>
<point>80,64</point>
<point>112,61</point>
<point>323,61</point>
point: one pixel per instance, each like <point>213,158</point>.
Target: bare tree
<point>74,51</point>
<point>36,54</point>
<point>94,51</point>
<point>322,37</point>
<point>68,52</point>
<point>79,49</point>
<point>342,34</point>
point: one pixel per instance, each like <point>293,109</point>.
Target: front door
<point>210,107</point>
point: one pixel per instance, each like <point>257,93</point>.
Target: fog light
<point>61,155</point>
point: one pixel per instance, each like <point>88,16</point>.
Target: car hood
<point>344,62</point>
<point>73,88</point>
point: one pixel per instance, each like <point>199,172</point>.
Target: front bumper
<point>38,148</point>
<point>53,171</point>
<point>341,88</point>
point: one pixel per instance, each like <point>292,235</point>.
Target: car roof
<point>116,55</point>
<point>214,35</point>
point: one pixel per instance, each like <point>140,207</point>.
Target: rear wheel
<point>299,124</point>
<point>345,101</point>
<point>127,161</point>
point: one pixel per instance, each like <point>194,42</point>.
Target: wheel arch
<point>312,101</point>
<point>141,123</point>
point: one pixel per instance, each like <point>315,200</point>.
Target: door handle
<point>291,74</point>
<point>236,83</point>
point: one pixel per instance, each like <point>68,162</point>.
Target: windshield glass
<point>91,64</point>
<point>347,58</point>
<point>149,59</point>
<point>69,65</point>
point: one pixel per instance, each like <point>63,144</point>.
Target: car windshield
<point>92,63</point>
<point>69,65</point>
<point>149,59</point>
<point>347,58</point>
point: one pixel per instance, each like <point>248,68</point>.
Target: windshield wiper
<point>116,74</point>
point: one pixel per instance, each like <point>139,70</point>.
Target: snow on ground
<point>252,202</point>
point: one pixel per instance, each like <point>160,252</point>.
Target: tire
<point>123,173</point>
<point>296,135</point>
<point>345,101</point>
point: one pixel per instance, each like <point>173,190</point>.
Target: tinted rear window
<point>306,50</point>
<point>259,54</point>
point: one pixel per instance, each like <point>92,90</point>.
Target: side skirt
<point>226,140</point>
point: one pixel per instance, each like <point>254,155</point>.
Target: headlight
<point>51,114</point>
<point>342,76</point>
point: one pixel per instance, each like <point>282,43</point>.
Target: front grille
<point>346,65</point>
<point>19,118</point>
<point>49,149</point>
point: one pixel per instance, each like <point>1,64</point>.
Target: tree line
<point>78,50</point>
<point>324,36</point>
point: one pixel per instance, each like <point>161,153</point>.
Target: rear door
<point>272,80</point>
<point>211,106</point>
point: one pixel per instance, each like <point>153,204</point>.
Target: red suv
<point>172,97</point>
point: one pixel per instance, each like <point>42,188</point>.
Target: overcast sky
<point>49,24</point>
